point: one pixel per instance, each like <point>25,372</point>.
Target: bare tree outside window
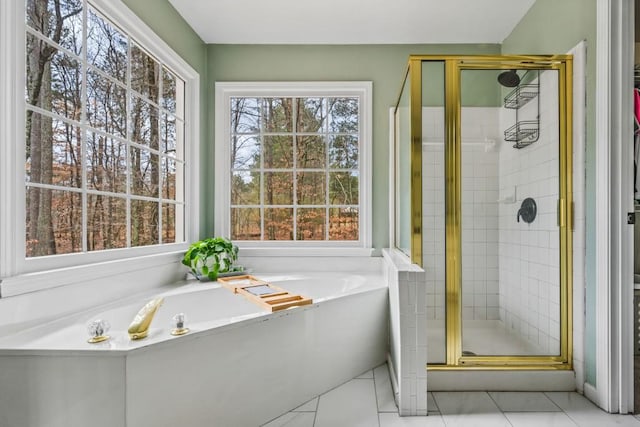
<point>104,129</point>
<point>295,168</point>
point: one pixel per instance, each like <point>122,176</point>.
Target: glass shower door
<point>484,205</point>
<point>433,208</point>
<point>510,187</point>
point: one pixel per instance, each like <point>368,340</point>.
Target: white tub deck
<point>208,306</point>
<point>236,351</point>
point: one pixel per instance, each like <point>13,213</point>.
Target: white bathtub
<point>239,365</point>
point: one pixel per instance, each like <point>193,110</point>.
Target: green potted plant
<point>211,257</point>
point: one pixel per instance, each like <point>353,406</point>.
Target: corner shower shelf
<point>521,95</point>
<point>523,132</point>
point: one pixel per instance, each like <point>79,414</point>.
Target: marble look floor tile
<point>524,402</point>
<point>310,406</point>
<point>353,404</point>
<point>384,392</point>
<point>469,409</point>
<point>293,419</point>
<point>368,374</point>
<point>586,414</point>
<point>571,401</point>
<point>388,419</point>
<point>604,419</point>
<point>537,419</point>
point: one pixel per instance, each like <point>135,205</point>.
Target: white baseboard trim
<point>591,393</point>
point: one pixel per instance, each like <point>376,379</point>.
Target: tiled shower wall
<point>510,269</point>
<point>479,212</point>
<point>528,260</point>
<point>529,253</point>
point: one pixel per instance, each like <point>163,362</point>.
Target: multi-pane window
<point>295,168</point>
<point>104,161</point>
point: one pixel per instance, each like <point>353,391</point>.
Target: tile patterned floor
<point>367,401</point>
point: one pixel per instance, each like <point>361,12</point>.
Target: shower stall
<point>483,203</point>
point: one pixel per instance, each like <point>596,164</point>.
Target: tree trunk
<point>153,79</point>
<point>39,133</point>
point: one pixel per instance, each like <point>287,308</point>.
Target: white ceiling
<point>352,21</point>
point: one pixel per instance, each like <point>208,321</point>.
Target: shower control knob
<point>527,210</point>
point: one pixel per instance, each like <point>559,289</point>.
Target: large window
<point>296,160</point>
<point>99,122</point>
<point>104,128</point>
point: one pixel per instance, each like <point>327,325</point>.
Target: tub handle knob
<point>178,323</point>
<point>97,330</point>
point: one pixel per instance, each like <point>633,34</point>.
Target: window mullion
<point>84,103</point>
<point>106,76</point>
<point>161,157</point>
<point>262,185</point>
<point>128,121</point>
<point>34,33</point>
<point>295,167</point>
<point>325,131</point>
<point>54,115</point>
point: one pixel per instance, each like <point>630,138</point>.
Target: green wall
<point>384,65</point>
<point>478,88</point>
<point>167,23</point>
<point>553,26</point>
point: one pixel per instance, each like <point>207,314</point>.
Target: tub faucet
<point>139,328</point>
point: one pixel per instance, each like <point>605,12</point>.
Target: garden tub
<point>239,365</point>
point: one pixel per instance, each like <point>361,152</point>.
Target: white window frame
<point>19,274</point>
<point>224,91</point>
<point>613,390</point>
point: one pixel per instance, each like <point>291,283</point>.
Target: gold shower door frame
<point>453,179</point>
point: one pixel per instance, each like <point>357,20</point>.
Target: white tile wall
<point>407,293</point>
<point>479,221</point>
<point>433,222</point>
<point>479,213</point>
<point>510,269</point>
<point>528,253</point>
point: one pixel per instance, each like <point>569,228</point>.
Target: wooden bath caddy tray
<point>263,293</point>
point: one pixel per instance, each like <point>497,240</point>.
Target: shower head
<point>509,78</point>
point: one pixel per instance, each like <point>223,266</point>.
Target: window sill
<point>306,252</point>
<point>42,280</point>
<point>291,259</point>
<point>400,260</point>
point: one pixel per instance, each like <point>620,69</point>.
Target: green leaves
<point>211,256</point>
